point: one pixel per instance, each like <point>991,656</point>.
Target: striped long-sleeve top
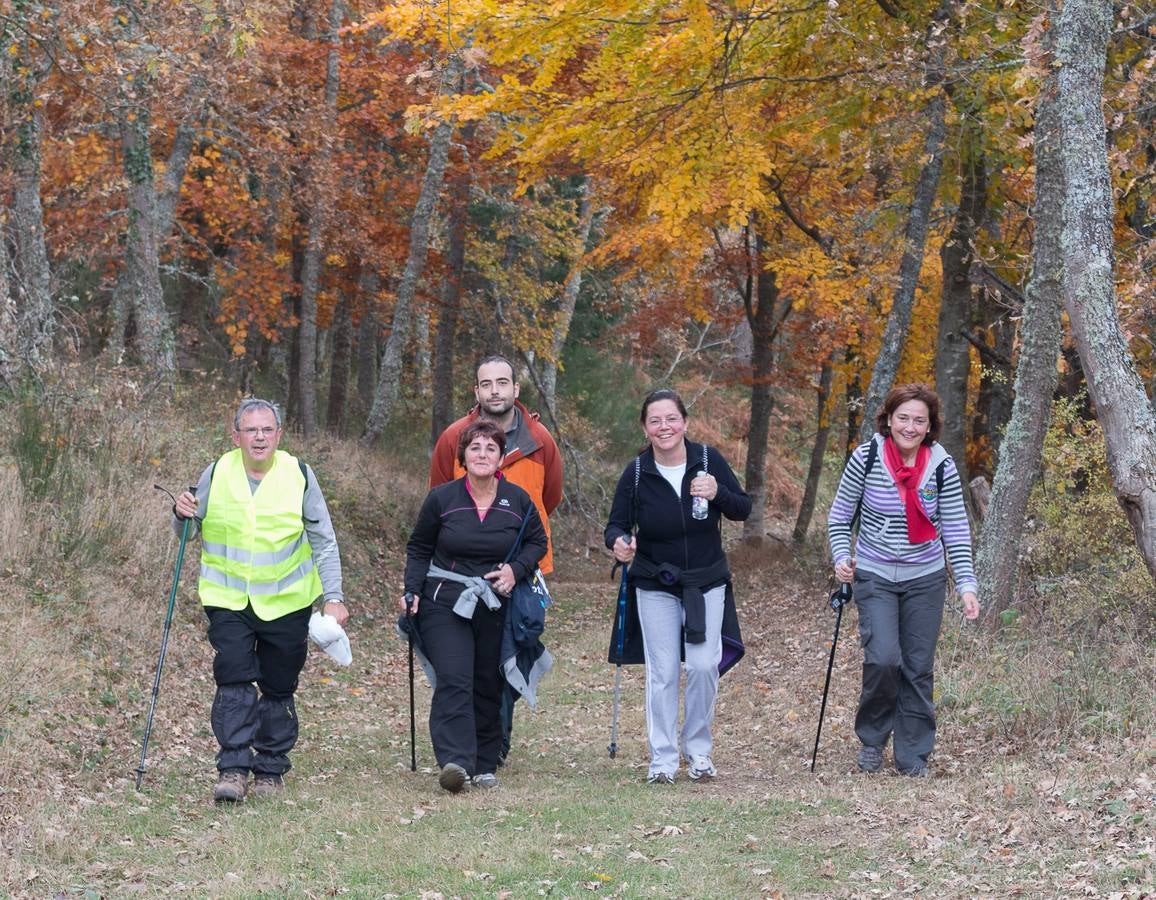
<point>882,546</point>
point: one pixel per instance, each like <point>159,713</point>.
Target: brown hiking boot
<point>266,785</point>
<point>232,784</point>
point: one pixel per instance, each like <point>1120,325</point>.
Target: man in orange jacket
<point>532,462</point>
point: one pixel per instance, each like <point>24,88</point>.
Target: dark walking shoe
<point>453,778</point>
<point>919,770</point>
<point>870,758</point>
<point>232,784</point>
<point>266,785</point>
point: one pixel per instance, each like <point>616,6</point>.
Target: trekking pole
<point>622,590</point>
<point>412,720</point>
<point>839,599</point>
<point>140,769</point>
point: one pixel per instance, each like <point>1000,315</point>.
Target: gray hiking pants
<point>661,616</point>
<point>898,629</point>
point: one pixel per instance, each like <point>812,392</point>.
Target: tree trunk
<point>1122,407</point>
<point>451,304</point>
<point>997,554</point>
<point>319,180</point>
<point>915,235</point>
<point>548,368</point>
<point>367,327</point>
<point>10,364</point>
<point>764,322</point>
<point>340,360</point>
<point>37,323</point>
<point>385,396</point>
<point>953,353</point>
<point>854,403</point>
<point>818,452</point>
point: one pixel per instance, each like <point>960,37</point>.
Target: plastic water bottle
<point>698,505</point>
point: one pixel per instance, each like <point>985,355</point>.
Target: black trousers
<point>898,628</point>
<point>465,722</point>
<point>256,730</point>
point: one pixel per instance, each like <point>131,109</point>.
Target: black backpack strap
<point>305,475</point>
<point>939,477</point>
<point>868,465</point>
<point>517,541</point>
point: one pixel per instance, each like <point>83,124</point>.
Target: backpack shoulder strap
<point>868,465</point>
<point>634,496</point>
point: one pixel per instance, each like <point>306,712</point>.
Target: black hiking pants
<point>898,629</point>
<point>465,724</point>
<point>256,669</point>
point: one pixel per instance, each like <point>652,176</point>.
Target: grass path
<point>999,818</point>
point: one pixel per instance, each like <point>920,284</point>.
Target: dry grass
<point>1044,764</point>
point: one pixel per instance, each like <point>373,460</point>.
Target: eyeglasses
<point>655,421</point>
<point>265,431</point>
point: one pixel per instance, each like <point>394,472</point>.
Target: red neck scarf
<point>919,527</point>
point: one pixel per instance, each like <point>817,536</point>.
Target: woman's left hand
<point>502,579</point>
<point>970,605</point>
<point>704,486</point>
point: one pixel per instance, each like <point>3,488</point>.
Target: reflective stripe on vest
<point>254,548</point>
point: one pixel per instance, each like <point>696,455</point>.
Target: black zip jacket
<point>449,535</point>
<point>666,533</point>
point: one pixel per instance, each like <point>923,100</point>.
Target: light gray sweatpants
<point>661,617</point>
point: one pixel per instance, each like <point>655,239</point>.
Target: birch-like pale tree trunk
<point>385,395</point>
<point>9,325</point>
<point>915,233</point>
<point>165,205</point>
<point>37,314</point>
<point>319,183</point>
<point>1122,406</point>
<point>997,554</point>
<point>141,275</point>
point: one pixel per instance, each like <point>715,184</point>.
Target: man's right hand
<point>186,505</point>
<point>415,601</point>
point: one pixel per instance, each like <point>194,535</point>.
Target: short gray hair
<point>251,403</point>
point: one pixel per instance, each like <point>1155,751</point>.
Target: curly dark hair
<point>899,395</point>
<point>480,428</point>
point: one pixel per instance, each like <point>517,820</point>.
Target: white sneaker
<point>701,767</point>
<point>485,780</point>
<point>660,778</point>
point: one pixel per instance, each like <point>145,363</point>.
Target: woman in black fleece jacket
<point>679,572</point>
<point>457,586</point>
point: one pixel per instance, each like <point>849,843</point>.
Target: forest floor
<point>1008,812</point>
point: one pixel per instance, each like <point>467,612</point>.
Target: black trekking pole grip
<point>839,599</point>
<point>140,769</point>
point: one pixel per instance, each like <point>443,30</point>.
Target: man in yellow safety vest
<point>268,552</point>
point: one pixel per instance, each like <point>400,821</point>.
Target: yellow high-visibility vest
<point>253,543</point>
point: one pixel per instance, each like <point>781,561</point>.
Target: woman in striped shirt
<point>905,491</point>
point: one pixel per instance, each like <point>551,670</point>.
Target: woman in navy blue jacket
<point>679,572</point>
